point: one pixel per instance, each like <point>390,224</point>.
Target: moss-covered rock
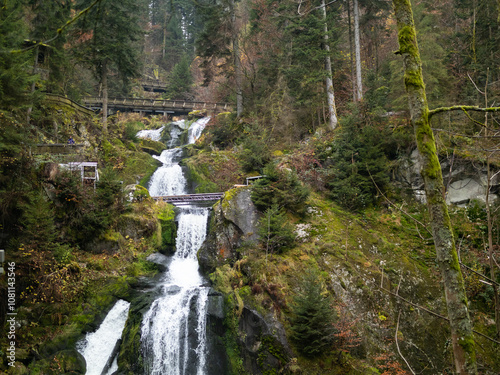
<point>108,242</point>
<point>168,228</point>
<point>234,222</point>
<point>130,360</point>
<point>151,147</point>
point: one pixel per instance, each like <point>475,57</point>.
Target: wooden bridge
<point>155,106</point>
<point>179,200</point>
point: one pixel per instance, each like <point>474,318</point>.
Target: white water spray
<point>97,346</point>
<point>154,135</point>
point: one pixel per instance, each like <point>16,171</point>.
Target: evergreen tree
<point>275,231</point>
<point>180,81</point>
<point>111,36</point>
<point>48,17</point>
<point>281,188</point>
<point>312,319</point>
<point>15,72</point>
<point>356,157</point>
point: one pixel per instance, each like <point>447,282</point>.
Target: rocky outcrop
<point>263,341</point>
<point>217,363</point>
<point>234,221</point>
<point>464,180</point>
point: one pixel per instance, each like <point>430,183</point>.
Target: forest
<point>369,239</point>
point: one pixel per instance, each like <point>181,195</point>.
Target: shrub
<point>281,188</point>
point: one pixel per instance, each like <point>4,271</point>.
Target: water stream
<point>98,346</point>
<point>173,332</point>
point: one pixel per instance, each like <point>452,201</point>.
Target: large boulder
<point>263,341</point>
<point>234,221</point>
<point>464,180</point>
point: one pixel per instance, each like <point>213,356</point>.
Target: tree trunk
<point>329,83</point>
<point>446,254</point>
<point>351,52</point>
<point>237,61</point>
<point>357,47</point>
<point>104,80</point>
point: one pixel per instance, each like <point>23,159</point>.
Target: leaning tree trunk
<point>446,254</point>
<point>329,82</point>
<point>357,48</point>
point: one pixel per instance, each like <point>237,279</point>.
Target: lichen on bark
<point>456,300</point>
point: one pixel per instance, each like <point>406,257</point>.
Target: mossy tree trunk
<point>456,300</point>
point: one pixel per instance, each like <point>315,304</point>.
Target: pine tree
<point>275,231</point>
<point>312,317</point>
<point>15,80</point>
<point>111,36</point>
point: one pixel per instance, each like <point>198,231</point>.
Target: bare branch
<point>397,345</point>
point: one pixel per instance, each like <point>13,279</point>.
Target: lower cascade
<point>173,332</point>
<point>97,347</point>
<point>174,329</point>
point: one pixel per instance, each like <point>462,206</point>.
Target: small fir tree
<point>275,230</point>
<point>312,317</point>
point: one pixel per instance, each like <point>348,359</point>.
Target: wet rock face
<point>217,361</point>
<point>463,179</point>
<point>234,221</point>
<point>263,342</point>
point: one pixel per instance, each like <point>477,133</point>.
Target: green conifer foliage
<point>180,80</point>
<point>312,317</point>
<point>355,154</point>
<point>281,188</point>
<point>275,231</point>
<point>14,64</point>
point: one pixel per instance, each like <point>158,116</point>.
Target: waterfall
<point>154,135</point>
<point>196,129</point>
<point>98,346</point>
<point>173,332</point>
<point>169,178</point>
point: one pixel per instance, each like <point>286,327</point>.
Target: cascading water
<point>154,135</point>
<point>97,346</point>
<point>174,329</point>
<point>173,332</point>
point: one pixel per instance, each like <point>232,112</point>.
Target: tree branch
<point>59,30</point>
<point>462,108</point>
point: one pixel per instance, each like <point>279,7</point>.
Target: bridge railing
<point>156,103</point>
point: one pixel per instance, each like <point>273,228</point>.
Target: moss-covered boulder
<point>234,222</point>
<point>265,349</point>
<point>130,360</point>
<point>137,193</point>
<point>108,242</point>
<point>151,147</point>
<point>168,228</point>
<point>137,226</point>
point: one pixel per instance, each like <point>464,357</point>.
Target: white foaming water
<point>196,129</point>
<point>174,329</point>
<point>154,135</point>
<point>97,346</point>
<point>169,178</point>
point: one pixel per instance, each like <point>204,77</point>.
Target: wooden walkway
<point>179,200</point>
<point>156,106</point>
